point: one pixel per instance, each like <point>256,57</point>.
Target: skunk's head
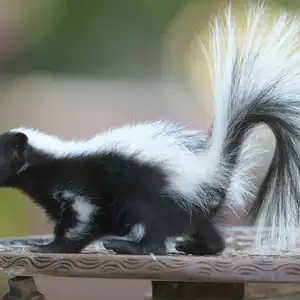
<point>13,148</point>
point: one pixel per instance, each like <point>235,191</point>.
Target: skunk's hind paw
<point>200,247</point>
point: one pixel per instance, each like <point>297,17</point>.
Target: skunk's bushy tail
<point>256,79</point>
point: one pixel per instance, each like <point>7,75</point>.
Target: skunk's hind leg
<point>204,237</point>
<point>154,218</point>
<point>148,233</point>
<point>201,245</point>
<point>206,240</point>
<point>154,242</point>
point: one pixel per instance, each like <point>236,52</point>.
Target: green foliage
<point>108,37</point>
<point>14,220</point>
<point>13,213</point>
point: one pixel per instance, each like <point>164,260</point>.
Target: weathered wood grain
<point>239,263</point>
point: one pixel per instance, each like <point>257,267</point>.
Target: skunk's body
<point>146,182</point>
<point>126,183</point>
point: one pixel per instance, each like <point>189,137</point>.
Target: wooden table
<point>240,272</point>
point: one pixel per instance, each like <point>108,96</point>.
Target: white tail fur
<point>257,80</point>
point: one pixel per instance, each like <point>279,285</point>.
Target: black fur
<point>123,191</point>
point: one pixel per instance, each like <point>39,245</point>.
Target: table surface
<point>240,262</point>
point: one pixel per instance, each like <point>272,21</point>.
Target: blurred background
<point>73,67</point>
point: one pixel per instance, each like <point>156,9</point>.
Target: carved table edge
<point>241,267</point>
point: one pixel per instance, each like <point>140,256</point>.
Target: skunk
<point>146,182</point>
<point>137,183</point>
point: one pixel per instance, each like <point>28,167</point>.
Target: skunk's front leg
<point>72,241</point>
<point>74,230</point>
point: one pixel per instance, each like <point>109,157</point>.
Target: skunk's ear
<point>19,143</point>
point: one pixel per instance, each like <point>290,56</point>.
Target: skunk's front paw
<point>49,248</point>
<point>53,248</point>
